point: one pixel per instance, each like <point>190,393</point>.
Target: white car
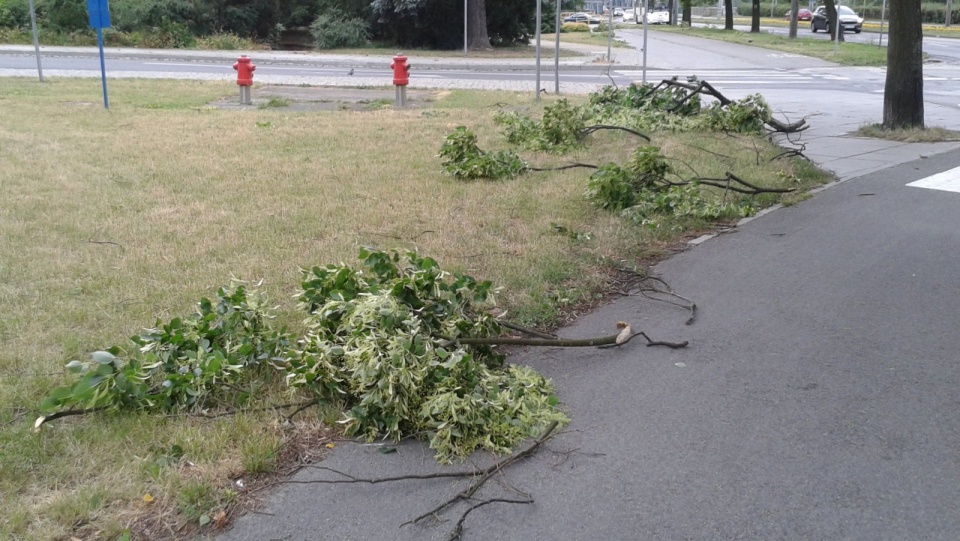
<point>658,17</point>
<point>629,15</point>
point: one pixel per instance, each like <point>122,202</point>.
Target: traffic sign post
<point>99,13</point>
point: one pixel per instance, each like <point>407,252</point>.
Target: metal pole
<point>464,27</point>
<point>610,32</point>
<point>103,68</point>
<point>836,40</point>
<point>537,90</point>
<point>644,81</point>
<point>883,14</point>
<point>36,41</point>
<point>556,55</point>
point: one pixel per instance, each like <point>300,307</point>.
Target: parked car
<point>660,16</point>
<point>618,12</point>
<point>582,18</point>
<point>849,20</point>
<point>803,14</point>
<point>629,15</point>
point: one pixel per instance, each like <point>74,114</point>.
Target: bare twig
<point>458,529</point>
<point>486,474</point>
<point>105,242</point>
<point>690,305</point>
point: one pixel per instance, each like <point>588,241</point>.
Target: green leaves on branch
<point>463,159</point>
<point>560,130</point>
<point>643,194</point>
<point>181,364</point>
<point>382,339</point>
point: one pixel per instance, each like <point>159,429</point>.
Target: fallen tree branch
<point>525,330</point>
<point>650,343</point>
<point>794,127</point>
<point>590,129</point>
<point>563,167</point>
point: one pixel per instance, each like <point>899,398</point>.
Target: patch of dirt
<point>326,98</point>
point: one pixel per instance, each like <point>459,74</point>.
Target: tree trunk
<point>903,92</point>
<point>477,38</point>
<point>687,12</point>
<point>728,11</point>
<point>832,19</point>
<point>946,14</point>
<point>755,19</point>
<point>794,10</point>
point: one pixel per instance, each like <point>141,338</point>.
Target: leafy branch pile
<point>462,158</point>
<point>647,188</point>
<point>385,342</point>
<point>382,339</point>
<point>642,193</point>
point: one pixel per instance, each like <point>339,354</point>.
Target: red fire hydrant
<point>245,70</point>
<point>401,77</point>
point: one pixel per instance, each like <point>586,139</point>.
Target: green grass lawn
<point>115,219</point>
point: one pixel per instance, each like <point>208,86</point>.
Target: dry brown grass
<point>113,219</point>
<point>912,135</point>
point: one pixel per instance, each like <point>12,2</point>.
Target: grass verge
<point>582,38</point>
<point>927,135</point>
<point>115,219</point>
<point>848,54</point>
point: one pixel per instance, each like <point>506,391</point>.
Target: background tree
<point>832,19</point>
<point>687,12</point>
<point>477,37</point>
<point>755,18</point>
<point>903,91</point>
<point>728,11</point>
<point>794,9</point>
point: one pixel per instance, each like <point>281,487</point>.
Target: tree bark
<point>903,92</point>
<point>946,14</point>
<point>728,11</point>
<point>832,19</point>
<point>755,18</point>
<point>687,12</point>
<point>477,37</point>
<point>794,9</point>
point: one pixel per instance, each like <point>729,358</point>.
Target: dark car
<point>582,18</point>
<point>803,14</point>
<point>849,20</point>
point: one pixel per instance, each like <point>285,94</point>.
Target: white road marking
<point>948,181</point>
<point>193,64</point>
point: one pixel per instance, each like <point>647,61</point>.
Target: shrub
<point>334,30</point>
<point>227,41</point>
<point>574,27</point>
<point>13,14</point>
